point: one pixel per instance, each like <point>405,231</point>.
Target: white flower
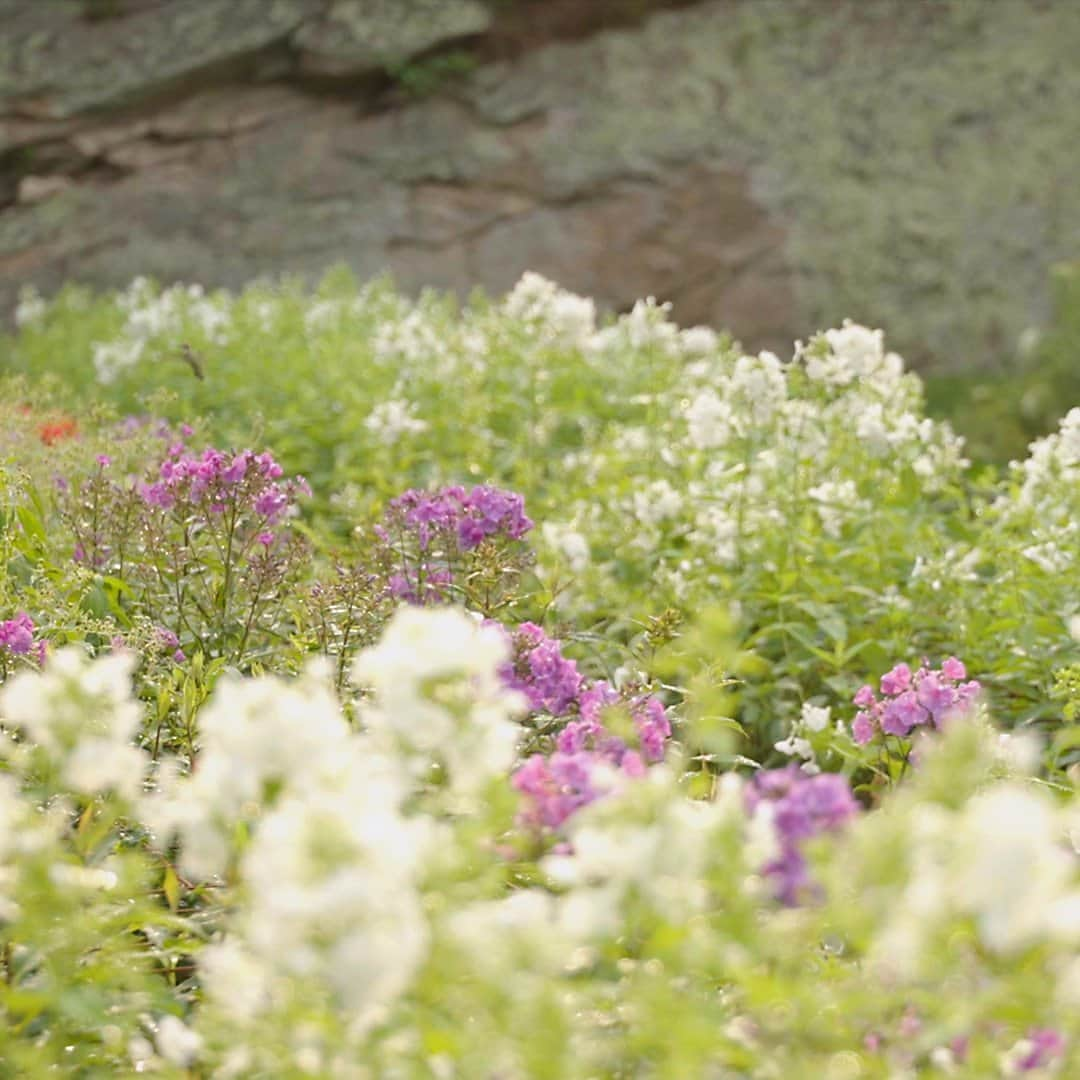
<point>561,316</point>
<point>815,717</point>
<point>330,884</point>
<point>837,501</point>
<point>236,982</point>
<point>83,714</point>
<point>389,420</point>
<point>568,542</point>
<point>657,502</point>
<point>794,746</point>
<point>438,694</point>
<point>31,307</point>
<point>860,347</point>
<point>758,386</point>
<point>176,1042</point>
<point>710,420</point>
<point>524,929</point>
<point>699,340</point>
<point>1048,556</point>
<point>424,643</point>
<point>111,358</point>
<point>1012,871</point>
<point>261,739</point>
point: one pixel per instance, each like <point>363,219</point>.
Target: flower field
<point>393,688</point>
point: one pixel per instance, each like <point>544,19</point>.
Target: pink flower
<point>896,681</point>
<point>953,669</point>
<point>862,729</point>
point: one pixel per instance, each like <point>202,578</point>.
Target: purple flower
<point>862,729</point>
<point>549,681</point>
<point>902,714</point>
<point>158,495</point>
<point>596,698</point>
<point>865,696</point>
<point>271,503</point>
<point>17,635</point>
<point>802,807</point>
<point>17,638</point>
<point>471,517</point>
<point>1045,1045</point>
<point>555,787</point>
<point>235,472</point>
<point>924,698</point>
<point>654,727</point>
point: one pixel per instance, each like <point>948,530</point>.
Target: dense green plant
<point>662,763</point>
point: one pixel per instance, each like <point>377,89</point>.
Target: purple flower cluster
<point>924,698</point>
<point>556,786</point>
<point>169,642</point>
<point>17,638</point>
<point>1039,1049</point>
<point>470,517</point>
<point>215,479</point>
<point>802,806</point>
<point>428,531</point>
<point>549,681</point>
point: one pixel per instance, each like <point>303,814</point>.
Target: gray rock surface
<point>767,167</point>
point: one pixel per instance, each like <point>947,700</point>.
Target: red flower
<point>54,431</point>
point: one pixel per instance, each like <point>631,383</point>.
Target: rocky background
<point>767,165</point>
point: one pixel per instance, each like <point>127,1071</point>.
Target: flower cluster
<point>17,638</point>
<point>549,681</point>
<point>157,317</point>
<point>589,756</point>
<point>438,698</point>
<point>204,545</point>
<point>59,429</point>
<point>1039,1049</point>
<point>329,873</point>
<point>471,516</point>
<point>799,807</point>
<point>432,532</point>
<point>79,717</point>
<point>924,698</point>
<point>215,479</point>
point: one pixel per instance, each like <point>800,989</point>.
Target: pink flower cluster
<point>17,638</point>
<point>555,786</point>
<point>923,698</point>
<point>214,479</point>
<point>802,806</point>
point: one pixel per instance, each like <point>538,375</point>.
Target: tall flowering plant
<point>454,543</point>
<point>201,544</point>
<point>595,735</point>
<point>910,703</point>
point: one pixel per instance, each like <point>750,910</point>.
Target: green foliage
<point>205,873</point>
<point>1001,413</point>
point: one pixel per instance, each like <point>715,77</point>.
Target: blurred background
<point>767,166</point>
